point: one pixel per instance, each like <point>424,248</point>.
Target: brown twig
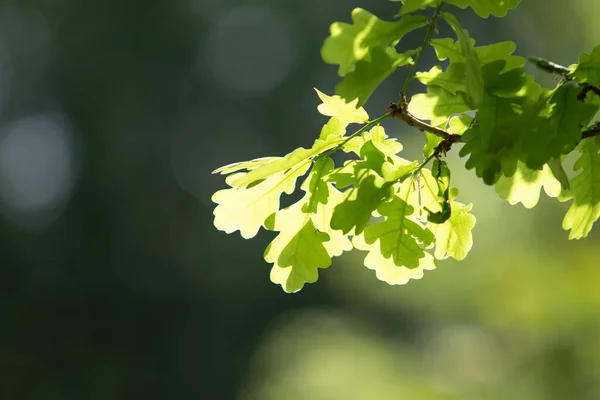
<point>401,112</point>
<point>586,88</point>
<point>594,130</point>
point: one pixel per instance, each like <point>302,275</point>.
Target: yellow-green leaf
<point>336,106</point>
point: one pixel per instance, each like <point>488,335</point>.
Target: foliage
<point>514,134</point>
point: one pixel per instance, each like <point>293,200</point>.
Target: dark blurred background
<point>116,285</point>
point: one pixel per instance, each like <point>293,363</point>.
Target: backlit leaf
<point>525,185</point>
<point>588,69</point>
<point>585,189</point>
<point>453,238</point>
<point>305,242</point>
<point>399,237</point>
<point>335,106</point>
<point>484,8</point>
<point>369,74</point>
<point>246,208</point>
<point>385,268</point>
<point>360,202</point>
<point>437,105</point>
<point>559,132</point>
<point>414,5</point>
<point>351,43</point>
<point>473,72</point>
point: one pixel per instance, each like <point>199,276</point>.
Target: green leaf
<point>385,268</point>
<point>414,5</point>
<point>369,74</point>
<point>398,171</point>
<point>432,141</point>
<point>254,195</point>
<point>496,62</point>
<point>343,176</point>
<point>453,79</point>
<point>585,189</point>
<point>442,173</point>
<point>387,146</point>
<point>335,106</point>
<point>298,256</point>
<point>453,237</point>
<point>559,173</point>
<point>588,69</point>
<point>365,197</point>
<point>375,140</point>
<point>447,48</point>
<point>334,127</point>
<point>371,185</point>
<point>459,124</point>
<point>246,208</point>
<point>349,44</point>
<point>473,72</point>
<point>437,105</point>
<point>399,236</point>
<point>525,185</point>
<point>305,241</point>
<point>296,159</point>
<point>484,8</point>
<point>500,51</point>
<point>421,191</point>
<point>248,165</point>
<point>559,132</point>
<point>491,142</point>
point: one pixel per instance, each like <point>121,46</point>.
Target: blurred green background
<point>115,284</point>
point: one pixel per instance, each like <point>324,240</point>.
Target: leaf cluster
<point>513,133</point>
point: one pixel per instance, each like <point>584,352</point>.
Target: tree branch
<point>594,130</point>
<point>402,114</point>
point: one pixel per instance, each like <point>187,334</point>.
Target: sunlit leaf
<point>525,185</point>
<point>298,257</point>
<point>414,5</point>
<point>588,69</point>
<point>369,74</point>
<point>385,268</point>
<point>334,127</point>
<point>360,202</point>
<point>246,208</point>
<point>473,72</point>
<point>585,189</point>
<point>335,106</point>
<point>491,142</point>
<point>559,173</point>
<point>296,159</point>
<point>560,131</point>
<point>453,238</point>
<point>351,43</point>
<point>437,105</point>
<point>399,237</point>
<point>447,48</point>
<point>484,8</point>
<point>452,79</point>
<point>305,241</point>
<point>248,165</point>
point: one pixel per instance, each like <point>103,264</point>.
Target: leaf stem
<point>411,73</point>
<point>416,171</point>
<point>424,163</point>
